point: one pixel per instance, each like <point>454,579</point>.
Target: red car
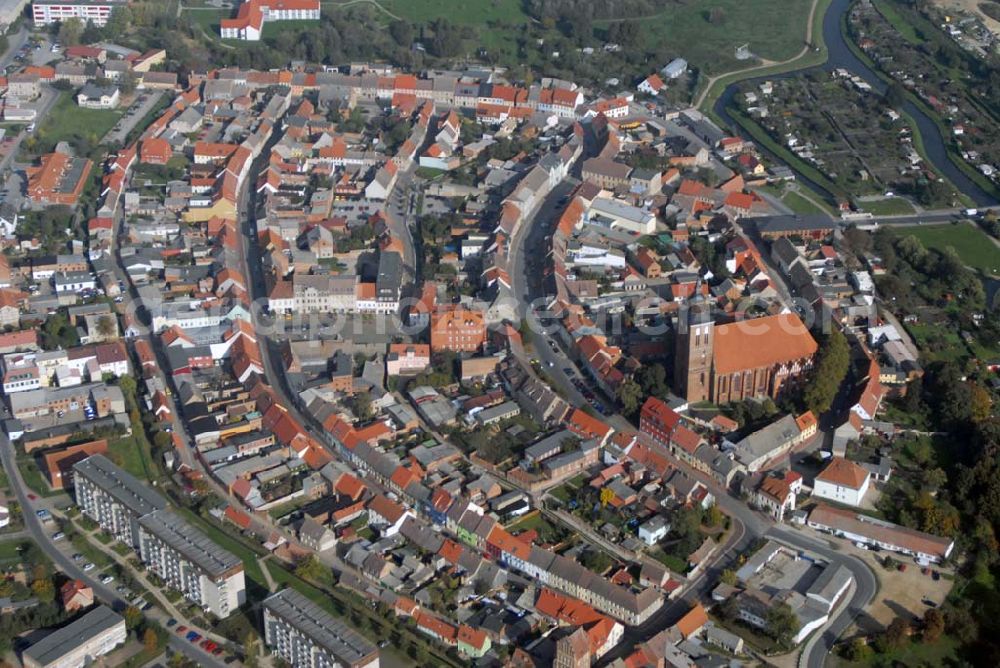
<point>217,651</point>
<point>32,497</point>
<point>180,630</point>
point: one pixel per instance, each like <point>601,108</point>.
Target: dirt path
<point>764,64</point>
<point>341,5</point>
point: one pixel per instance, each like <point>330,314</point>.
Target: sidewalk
<point>142,580</point>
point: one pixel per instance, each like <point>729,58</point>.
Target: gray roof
<point>124,487</point>
<point>344,643</point>
<point>58,644</point>
<point>191,543</point>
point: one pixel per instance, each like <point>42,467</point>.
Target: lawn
<point>800,204</point>
<point>937,342</point>
<point>972,244</point>
<point>67,120</point>
<point>467,12</point>
<point>9,551</point>
<point>208,19</point>
<point>774,29</point>
<point>90,552</point>
<point>130,456</point>
<point>892,206</point>
<point>33,477</point>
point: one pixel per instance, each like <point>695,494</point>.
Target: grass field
<point>131,456</point>
<point>775,30</point>
<point>972,244</point>
<point>893,206</point>
<point>800,204</point>
<point>9,551</point>
<point>33,477</point>
<point>67,120</point>
<point>467,12</point>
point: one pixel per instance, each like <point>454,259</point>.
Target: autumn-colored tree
<point>933,625</point>
<point>980,403</point>
<point>150,640</point>
<point>43,590</point>
<point>133,617</point>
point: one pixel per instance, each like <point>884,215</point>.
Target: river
<point>841,56</point>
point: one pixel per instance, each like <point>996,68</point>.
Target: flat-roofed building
<point>44,12</point>
<point>79,643</point>
<point>113,498</point>
<point>190,562</point>
<point>303,634</point>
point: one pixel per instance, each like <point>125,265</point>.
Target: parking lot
<point>906,593</point>
<point>142,105</point>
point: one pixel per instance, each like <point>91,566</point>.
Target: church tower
<point>693,358</point>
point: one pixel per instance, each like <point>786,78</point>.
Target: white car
<point>107,579</point>
<point>58,535</point>
<point>89,566</point>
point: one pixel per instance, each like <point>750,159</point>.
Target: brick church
<point>739,360</point>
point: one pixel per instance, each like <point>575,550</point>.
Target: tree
<point>630,395</point>
<point>150,640</point>
<point>829,372</point>
<point>310,568</point>
<point>782,623</point>
<point>717,16</point>
<point>133,617</point>
<point>70,31</point>
<point>728,577</point>
<point>858,651</point>
<point>715,516</point>
<point>106,326</point>
<point>362,402</point>
<point>895,95</point>
<point>251,650</point>
<point>43,590</point>
<point>933,625</point>
<point>894,636</point>
<point>402,33</point>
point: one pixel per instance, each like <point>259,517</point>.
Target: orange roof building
<point>457,329</point>
<point>58,179</point>
<point>743,359</point>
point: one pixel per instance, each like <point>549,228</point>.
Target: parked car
<point>89,566</point>
<point>181,629</point>
<point>58,535</point>
<point>107,579</point>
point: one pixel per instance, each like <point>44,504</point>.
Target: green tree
<point>133,617</point>
<point>831,368</point>
<point>630,395</point>
<point>782,623</point>
<point>70,31</point>
<point>858,651</point>
<point>728,577</point>
<point>310,568</point>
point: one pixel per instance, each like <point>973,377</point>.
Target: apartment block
<point>187,560</point>
<point>44,12</point>
<point>301,633</point>
<point>113,498</point>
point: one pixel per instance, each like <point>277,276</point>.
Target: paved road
<point>132,116</point>
<point>42,533</point>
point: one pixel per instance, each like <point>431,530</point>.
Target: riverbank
<point>928,137</point>
<point>943,129</point>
